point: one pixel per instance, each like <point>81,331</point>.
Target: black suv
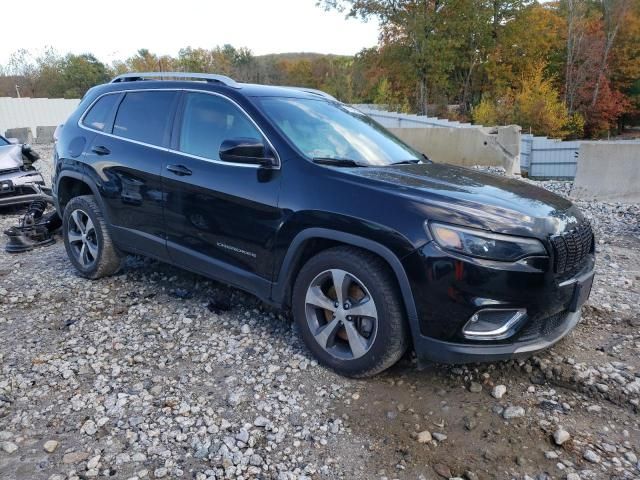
<point>310,205</point>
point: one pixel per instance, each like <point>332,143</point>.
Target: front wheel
<point>87,240</point>
<point>348,308</point>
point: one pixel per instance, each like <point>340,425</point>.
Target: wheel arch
<point>313,240</point>
<point>74,184</point>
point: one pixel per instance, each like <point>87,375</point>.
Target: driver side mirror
<point>247,150</point>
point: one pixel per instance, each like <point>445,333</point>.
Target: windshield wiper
<point>405,162</point>
<point>338,162</point>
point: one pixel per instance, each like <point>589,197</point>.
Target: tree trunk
<point>464,105</point>
<point>569,67</point>
<point>422,94</point>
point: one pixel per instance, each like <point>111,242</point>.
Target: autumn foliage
<point>564,68</point>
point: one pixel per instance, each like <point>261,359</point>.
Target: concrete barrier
<point>24,135</point>
<point>44,134</point>
<point>467,146</point>
<point>608,171</point>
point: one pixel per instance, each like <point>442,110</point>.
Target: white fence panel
<point>34,112</point>
<point>551,158</point>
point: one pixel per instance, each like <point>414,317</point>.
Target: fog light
<point>493,324</point>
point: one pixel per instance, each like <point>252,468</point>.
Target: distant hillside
<point>294,56</point>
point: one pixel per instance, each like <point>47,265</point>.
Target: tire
<point>91,250</point>
<point>354,345</point>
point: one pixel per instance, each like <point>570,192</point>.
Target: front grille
<point>542,327</point>
<point>19,191</point>
<point>571,248</point>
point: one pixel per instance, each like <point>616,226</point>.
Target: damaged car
<point>20,182</point>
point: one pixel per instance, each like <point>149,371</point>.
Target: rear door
<point>221,218</point>
<point>126,163</point>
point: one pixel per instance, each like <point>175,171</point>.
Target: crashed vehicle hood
<point>10,157</point>
<point>476,199</point>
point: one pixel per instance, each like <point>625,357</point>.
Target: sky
<point>116,29</point>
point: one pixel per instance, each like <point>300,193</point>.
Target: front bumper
<point>450,352</point>
<point>17,188</point>
<point>448,289</point>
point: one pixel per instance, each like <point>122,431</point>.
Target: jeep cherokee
<point>312,206</point>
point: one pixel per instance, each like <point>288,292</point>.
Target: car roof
<point>207,82</point>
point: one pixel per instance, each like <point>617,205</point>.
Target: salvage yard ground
<point>159,373</point>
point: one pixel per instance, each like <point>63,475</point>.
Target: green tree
<point>446,40</point>
<point>79,73</point>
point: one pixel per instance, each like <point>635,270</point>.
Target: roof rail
<point>203,77</point>
<point>317,92</point>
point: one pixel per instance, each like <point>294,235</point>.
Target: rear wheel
<point>348,308</point>
<point>87,239</point>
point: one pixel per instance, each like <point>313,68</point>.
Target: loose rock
<point>50,446</point>
<point>513,412</point>
<point>560,436</point>
<point>498,391</point>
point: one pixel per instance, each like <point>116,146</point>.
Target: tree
<point>489,112</point>
<point>410,22</point>
<point>538,106</point>
<point>592,32</point>
<point>447,41</point>
<point>527,41</point>
<point>614,12</point>
<point>79,73</point>
<point>21,66</point>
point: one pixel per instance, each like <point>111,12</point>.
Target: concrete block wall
<point>608,171</point>
<point>467,146</point>
<point>23,135</point>
<point>45,134</point>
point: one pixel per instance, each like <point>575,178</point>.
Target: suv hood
<point>10,157</point>
<point>476,199</point>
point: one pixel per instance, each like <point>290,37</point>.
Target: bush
<point>489,112</point>
<point>485,113</point>
<point>538,107</point>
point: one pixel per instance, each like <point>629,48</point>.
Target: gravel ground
<point>159,373</point>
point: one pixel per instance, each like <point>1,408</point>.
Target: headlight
<point>482,244</point>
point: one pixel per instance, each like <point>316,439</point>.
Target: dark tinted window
<point>144,116</point>
<point>208,120</point>
<point>100,111</point>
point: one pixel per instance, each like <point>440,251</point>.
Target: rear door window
<point>145,116</point>
<point>99,113</point>
<point>208,120</point>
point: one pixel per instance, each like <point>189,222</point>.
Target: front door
<point>221,218</point>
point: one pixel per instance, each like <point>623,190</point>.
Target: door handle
<point>101,150</point>
<point>179,170</point>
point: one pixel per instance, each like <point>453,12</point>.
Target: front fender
<point>284,277</point>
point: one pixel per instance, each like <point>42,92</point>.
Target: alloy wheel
<point>341,314</point>
<point>82,237</point>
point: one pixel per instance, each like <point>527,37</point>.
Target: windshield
<point>320,129</point>
<point>3,141</point>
